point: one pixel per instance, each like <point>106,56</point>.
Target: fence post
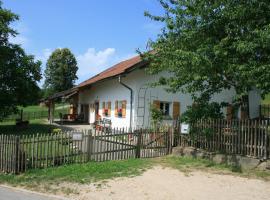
<point>169,140</point>
<point>138,147</point>
<point>89,145</point>
<point>17,155</point>
<point>266,142</point>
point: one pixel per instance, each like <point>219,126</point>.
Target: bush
<point>56,131</point>
<point>202,111</point>
<point>156,115</point>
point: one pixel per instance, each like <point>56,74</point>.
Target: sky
<point>100,33</point>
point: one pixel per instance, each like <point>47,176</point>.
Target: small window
<point>106,109</point>
<point>120,109</point>
<point>165,108</point>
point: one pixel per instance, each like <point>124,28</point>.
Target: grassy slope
<point>266,99</point>
<point>34,108</point>
<point>35,126</point>
<point>37,108</point>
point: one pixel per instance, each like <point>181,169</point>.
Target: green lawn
<point>77,173</point>
<point>266,100</point>
<point>35,126</point>
<point>37,108</point>
<point>46,179</point>
<point>34,108</point>
<point>37,112</point>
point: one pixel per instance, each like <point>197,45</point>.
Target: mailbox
<point>184,128</point>
<point>77,136</point>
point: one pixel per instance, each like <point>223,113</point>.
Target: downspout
<point>131,100</point>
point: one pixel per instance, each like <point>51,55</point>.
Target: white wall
<point>111,90</point>
<point>140,79</point>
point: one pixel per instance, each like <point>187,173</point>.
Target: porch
<point>72,117</point>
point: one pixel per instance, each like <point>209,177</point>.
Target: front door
<point>96,110</point>
<point>86,112</point>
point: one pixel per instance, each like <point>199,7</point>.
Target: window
<point>106,108</point>
<point>165,108</point>
<point>82,108</point>
<point>120,109</point>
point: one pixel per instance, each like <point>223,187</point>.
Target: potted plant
<point>106,112</point>
<point>119,112</point>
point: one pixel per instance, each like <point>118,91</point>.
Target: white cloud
<point>45,54</point>
<point>93,62</point>
<point>21,38</point>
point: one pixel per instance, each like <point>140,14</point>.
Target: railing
<point>240,137</point>
<point>34,115</point>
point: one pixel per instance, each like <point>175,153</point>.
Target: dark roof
<point>66,93</point>
<point>113,71</point>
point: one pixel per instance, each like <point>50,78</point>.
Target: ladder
<point>141,106</point>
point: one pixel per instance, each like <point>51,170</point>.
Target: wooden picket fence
<point>265,111</point>
<point>240,137</point>
<point>27,115</point>
<point>20,153</point>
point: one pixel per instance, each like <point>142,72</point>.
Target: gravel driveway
<point>169,184</point>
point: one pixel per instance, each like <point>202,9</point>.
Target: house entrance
<point>85,112</point>
<point>96,111</point>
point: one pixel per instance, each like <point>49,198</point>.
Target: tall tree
<point>19,72</point>
<point>60,71</point>
<point>208,46</point>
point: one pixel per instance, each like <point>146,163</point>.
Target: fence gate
<point>119,144</point>
<point>154,143</point>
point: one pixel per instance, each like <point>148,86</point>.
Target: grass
<point>78,173</point>
<point>188,164</point>
<point>37,108</point>
<point>35,126</point>
<point>101,171</point>
<point>33,108</point>
<point>266,100</point>
<point>37,112</point>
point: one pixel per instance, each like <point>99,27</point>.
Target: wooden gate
<point>120,144</point>
<point>116,144</point>
<point>154,143</point>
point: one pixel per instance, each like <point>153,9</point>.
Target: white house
<point>123,94</point>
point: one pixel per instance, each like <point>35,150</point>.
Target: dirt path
<point>165,184</point>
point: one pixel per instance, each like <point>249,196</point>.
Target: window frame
<point>120,108</point>
<point>105,109</point>
<point>165,112</point>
